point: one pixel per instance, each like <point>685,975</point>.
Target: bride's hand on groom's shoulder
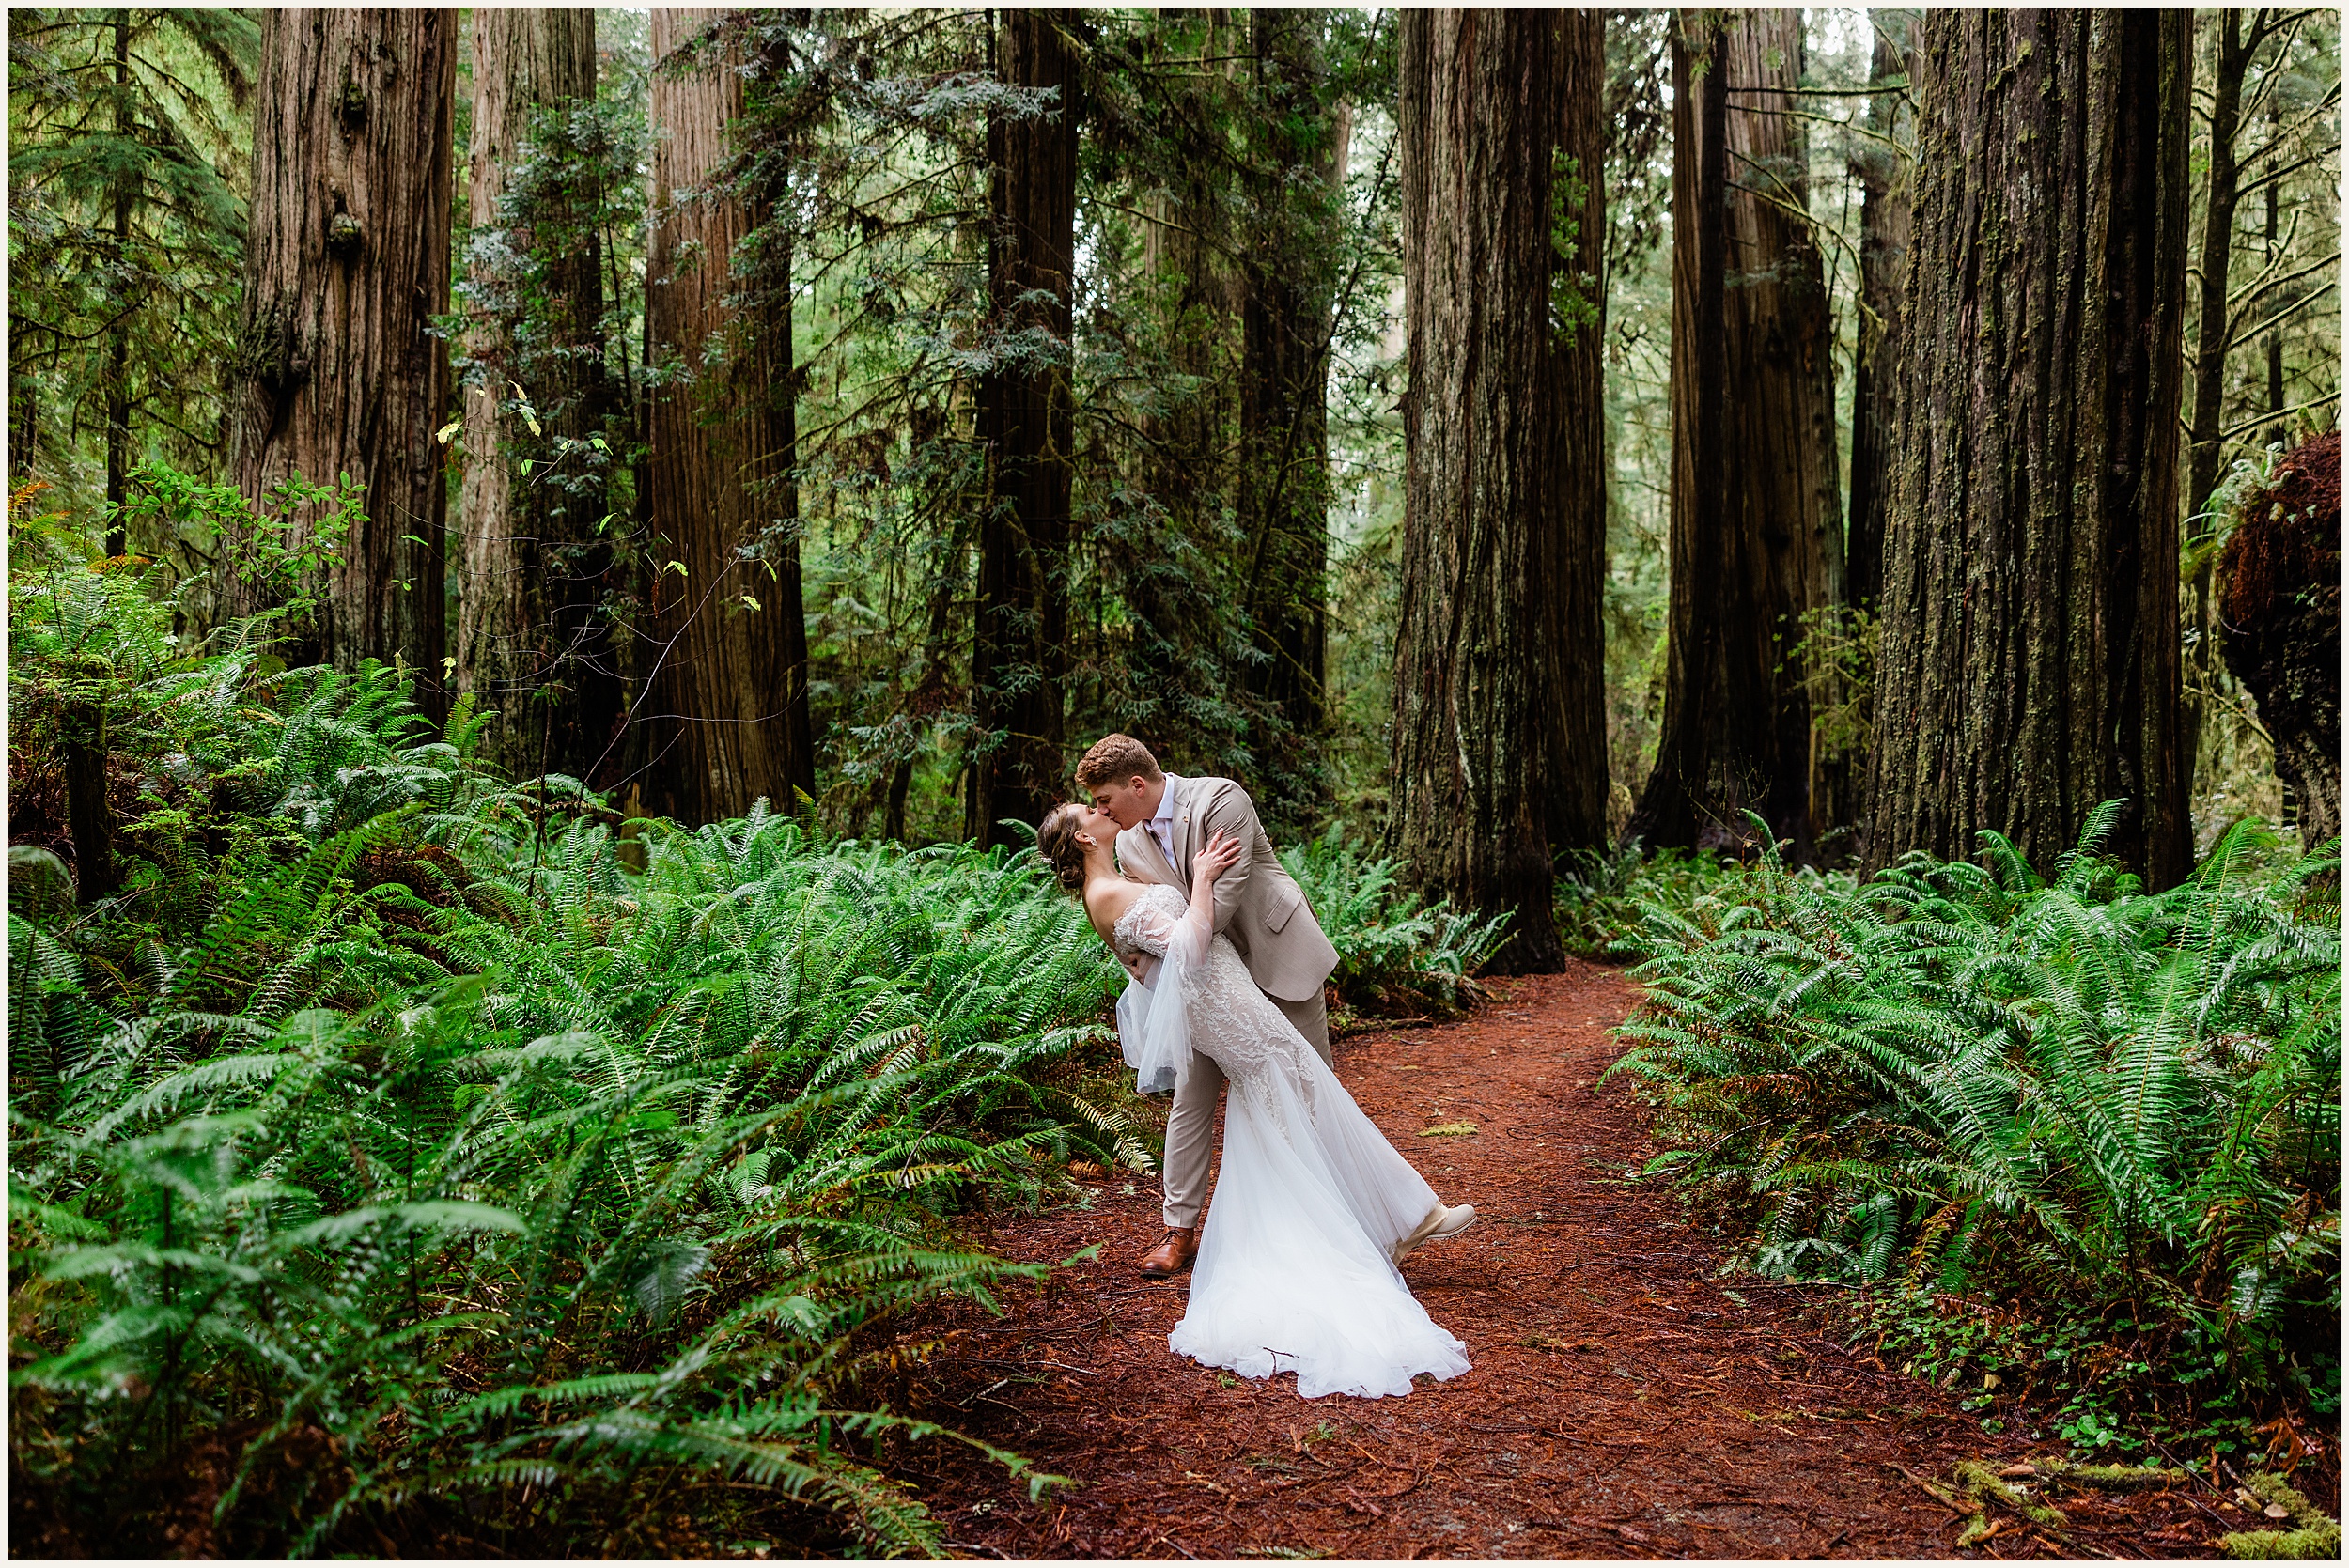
<point>1220,855</point>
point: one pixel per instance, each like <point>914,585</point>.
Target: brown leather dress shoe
<point>1172,1255</point>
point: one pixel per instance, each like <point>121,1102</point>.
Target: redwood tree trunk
<point>348,263</point>
<point>1884,224</point>
<point>730,721</point>
<point>1188,255</point>
<point>1474,730</point>
<point>1577,642</point>
<point>1283,497</point>
<point>517,560</point>
<point>1027,421</point>
<point>2027,661</point>
<point>1754,504</point>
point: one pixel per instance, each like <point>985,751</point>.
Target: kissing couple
<point>1297,1269</point>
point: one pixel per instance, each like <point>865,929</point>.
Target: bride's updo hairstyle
<point>1056,836</point>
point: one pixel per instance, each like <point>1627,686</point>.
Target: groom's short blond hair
<point>1114,757</point>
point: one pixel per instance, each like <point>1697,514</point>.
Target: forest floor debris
<point>1626,1401</point>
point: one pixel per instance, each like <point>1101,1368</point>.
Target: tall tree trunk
<point>518,559</point>
<point>1474,725</point>
<point>1283,497</point>
<point>1754,458</point>
<point>2028,655</point>
<point>1577,776</point>
<point>1187,468</point>
<point>1027,421</point>
<point>88,812</point>
<point>1884,219</point>
<point>2212,329</point>
<point>731,685</point>
<point>349,261</point>
<point>1703,727</point>
<point>118,349</point>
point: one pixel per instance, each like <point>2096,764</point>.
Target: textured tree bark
<point>1474,726</point>
<point>2028,655</point>
<point>1576,810</point>
<point>1283,500</point>
<point>2282,588</point>
<point>1027,421</point>
<point>1186,253</point>
<point>1754,506</point>
<point>88,812</point>
<point>517,567</point>
<point>729,702</point>
<point>1884,224</point>
<point>349,261</point>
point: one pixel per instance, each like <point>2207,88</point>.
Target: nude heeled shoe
<point>1440,1222</point>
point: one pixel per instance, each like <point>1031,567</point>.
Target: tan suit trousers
<point>1190,1122</point>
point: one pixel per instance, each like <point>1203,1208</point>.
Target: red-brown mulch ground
<point>1625,1401</point>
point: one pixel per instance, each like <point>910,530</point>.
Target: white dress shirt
<point>1162,825</point>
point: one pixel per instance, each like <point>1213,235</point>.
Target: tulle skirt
<point>1294,1272</point>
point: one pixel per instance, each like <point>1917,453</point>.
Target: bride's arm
<point>1157,933</point>
<point>1196,929</point>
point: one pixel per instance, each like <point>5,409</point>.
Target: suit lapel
<point>1186,803</point>
<point>1145,857</point>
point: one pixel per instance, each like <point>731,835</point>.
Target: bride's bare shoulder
<point>1108,898</point>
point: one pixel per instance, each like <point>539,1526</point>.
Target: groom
<point>1165,820</point>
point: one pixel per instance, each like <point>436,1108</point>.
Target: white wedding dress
<point>1294,1272</point>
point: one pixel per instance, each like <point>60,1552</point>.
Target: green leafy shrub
<point>514,1186</point>
<point>2112,1108</point>
<point>1397,956</point>
<point>1600,892</point>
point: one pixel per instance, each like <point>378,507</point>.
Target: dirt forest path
<point>1624,1401</point>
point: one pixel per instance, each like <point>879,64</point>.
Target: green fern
<point>652,1152</point>
<point>1974,1078</point>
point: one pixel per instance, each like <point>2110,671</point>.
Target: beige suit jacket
<point>1257,903</point>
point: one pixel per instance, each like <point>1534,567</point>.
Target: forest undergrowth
<point>2075,1146</point>
<point>405,1160</point>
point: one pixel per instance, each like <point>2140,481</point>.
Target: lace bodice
<point>1231,1020</point>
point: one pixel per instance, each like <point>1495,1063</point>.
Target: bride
<point>1296,1269</point>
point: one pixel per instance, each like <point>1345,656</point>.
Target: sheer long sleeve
<point>1151,927</point>
<point>1152,1019</point>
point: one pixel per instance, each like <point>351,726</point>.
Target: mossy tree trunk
<point>1027,421</point>
<point>1282,496</point>
<point>520,578</point>
<point>1479,122</point>
<point>1754,508</point>
<point>1193,282</point>
<point>729,681</point>
<point>2027,659</point>
<point>2282,621</point>
<point>348,263</point>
